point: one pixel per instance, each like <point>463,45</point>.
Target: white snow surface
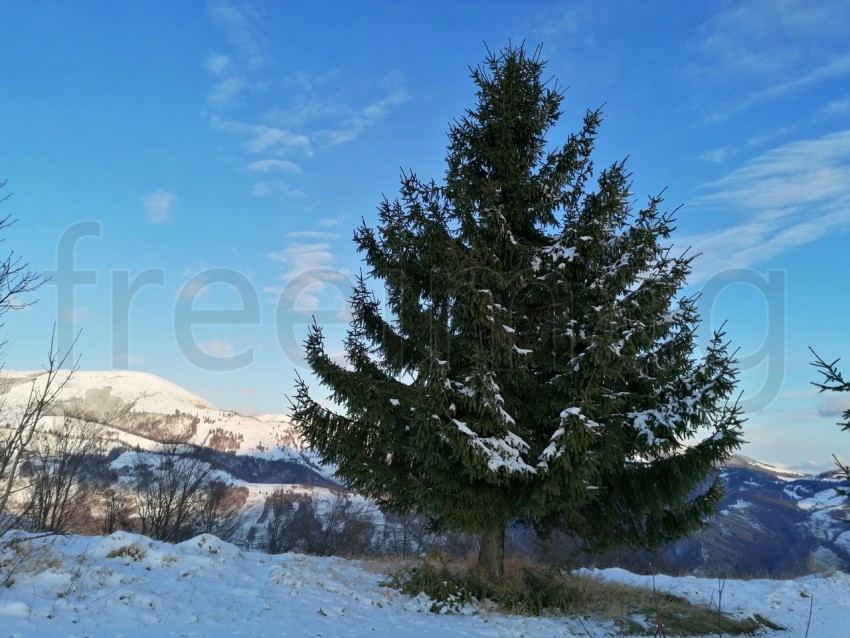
<point>129,586</point>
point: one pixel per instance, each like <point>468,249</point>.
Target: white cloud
<point>789,196</point>
<point>237,24</point>
<point>223,92</point>
<point>275,186</point>
<point>835,68</point>
<point>267,165</point>
<point>265,138</point>
<point>309,275</point>
<point>834,406</point>
<point>352,127</point>
<point>329,222</point>
<point>216,63</point>
<point>718,155</point>
<point>773,37</point>
<point>838,107</point>
<point>322,110</point>
<point>766,49</point>
<point>217,347</point>
<point>259,138</point>
<point>302,257</point>
<point>565,22</point>
<point>261,189</point>
<point>159,206</point>
<point>764,137</point>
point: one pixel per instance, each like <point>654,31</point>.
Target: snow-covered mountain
<point>144,410</point>
<point>140,412</point>
<point>771,521</point>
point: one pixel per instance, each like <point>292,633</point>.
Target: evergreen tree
<point>537,362</point>
<point>834,381</point>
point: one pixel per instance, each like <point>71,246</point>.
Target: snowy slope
<point>149,392</point>
<point>122,400</point>
<point>128,586</point>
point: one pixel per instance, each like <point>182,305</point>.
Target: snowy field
<point>127,585</point>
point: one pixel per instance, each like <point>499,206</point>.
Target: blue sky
<point>169,160</point>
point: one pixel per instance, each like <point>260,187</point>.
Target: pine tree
<point>536,361</point>
<point>834,381</point>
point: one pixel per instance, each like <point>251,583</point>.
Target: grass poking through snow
<point>530,589</point>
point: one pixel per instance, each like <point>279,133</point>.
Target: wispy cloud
<point>789,196</point>
<point>309,270</point>
<point>159,205</point>
<point>237,24</point>
<point>838,107</point>
<point>566,20</point>
<point>352,127</point>
<point>269,165</point>
<point>217,63</point>
<point>246,56</point>
<point>217,347</point>
<point>333,110</point>
<point>259,138</point>
<point>837,67</point>
<point>299,258</point>
<point>766,49</point>
<point>773,37</point>
<point>275,187</point>
<point>718,155</point>
<point>276,114</point>
<point>224,91</point>
<point>834,406</point>
<point>267,138</point>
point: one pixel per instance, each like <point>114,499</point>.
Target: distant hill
<point>771,522</point>
<point>141,410</point>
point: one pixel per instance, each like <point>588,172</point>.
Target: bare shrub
<point>18,427</point>
<point>17,432</point>
<point>220,513</point>
<point>406,535</point>
<point>60,474</point>
<point>348,528</point>
<point>178,496</point>
<point>341,527</point>
<point>116,510</point>
<point>278,511</point>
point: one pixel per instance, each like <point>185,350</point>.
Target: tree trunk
<point>491,557</point>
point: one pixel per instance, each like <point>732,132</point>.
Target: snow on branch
<point>501,453</point>
<point>554,450</point>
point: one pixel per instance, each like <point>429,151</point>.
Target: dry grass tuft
<point>531,589</point>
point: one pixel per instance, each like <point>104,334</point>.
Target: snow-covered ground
<point>126,585</point>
